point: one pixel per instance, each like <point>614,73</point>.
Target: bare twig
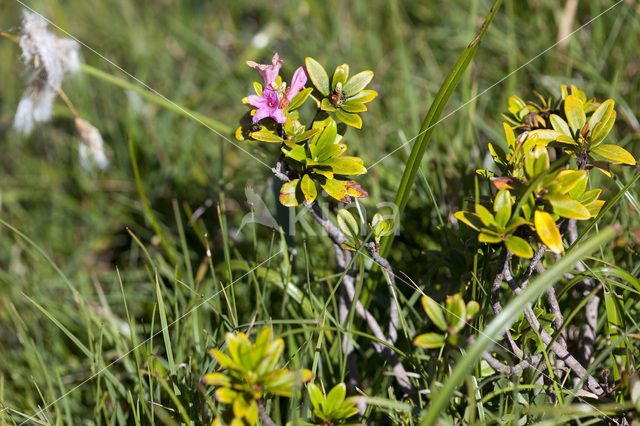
<point>495,300</point>
<point>264,417</point>
<point>591,308</point>
<point>510,370</point>
<point>560,351</point>
<point>343,259</point>
<point>374,252</point>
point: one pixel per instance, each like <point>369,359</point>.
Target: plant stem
<point>264,417</point>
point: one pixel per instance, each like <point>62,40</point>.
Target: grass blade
<point>433,115</point>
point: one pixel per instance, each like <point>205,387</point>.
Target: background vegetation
<point>82,263</point>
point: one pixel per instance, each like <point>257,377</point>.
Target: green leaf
<point>349,119</point>
<point>318,75</point>
<point>565,206</point>
<point>335,398</point>
<point>315,395</point>
<point>348,224</point>
<point>340,75</point>
<point>357,83</point>
<point>547,231</point>
<point>574,112</point>
<point>456,313</point>
<point>614,153</point>
<point>288,193</point>
<point>379,226</point>
<point>502,199</point>
<point>542,162</point>
<point>337,189</point>
<point>299,98</point>
<point>518,246</point>
<point>473,308</point>
<point>560,125</point>
<point>308,188</point>
<point>429,341</point>
<point>434,312</point>
<point>324,145</point>
<point>303,136</point>
<point>502,216</point>
<point>297,153</point>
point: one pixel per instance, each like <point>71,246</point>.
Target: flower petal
<point>278,115</point>
<point>256,101</point>
<point>297,82</point>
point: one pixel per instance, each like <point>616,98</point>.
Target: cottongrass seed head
<point>49,58</point>
<point>91,149</point>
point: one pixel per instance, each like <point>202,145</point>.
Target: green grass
<point>108,300</point>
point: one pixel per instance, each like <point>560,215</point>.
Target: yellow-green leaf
<point>340,75</point>
<point>318,75</point>
<point>470,219</point>
<point>560,125</point>
<point>568,179</point>
<point>266,136</point>
<point>614,153</point>
<point>544,136</point>
<point>349,119</point>
<point>348,224</point>
<point>601,114</point>
<point>353,106</point>
<point>364,96</point>
<point>575,113</point>
<point>565,206</point>
<point>357,82</point>
<point>485,237</point>
<point>434,312</point>
<point>337,189</point>
<point>456,313</point>
<point>429,341</point>
<point>547,231</point>
<point>299,98</point>
<point>602,129</point>
<point>485,215</point>
<point>348,166</point>
<point>326,105</point>
<point>288,193</point>
<point>308,187</point>
<point>518,246</point>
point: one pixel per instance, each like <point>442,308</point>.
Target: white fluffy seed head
<point>91,149</point>
<point>50,58</point>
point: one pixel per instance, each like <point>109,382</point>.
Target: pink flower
<point>268,106</point>
<point>268,72</point>
<point>297,83</point>
<point>275,99</point>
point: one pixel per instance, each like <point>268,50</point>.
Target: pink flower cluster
<point>275,99</point>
